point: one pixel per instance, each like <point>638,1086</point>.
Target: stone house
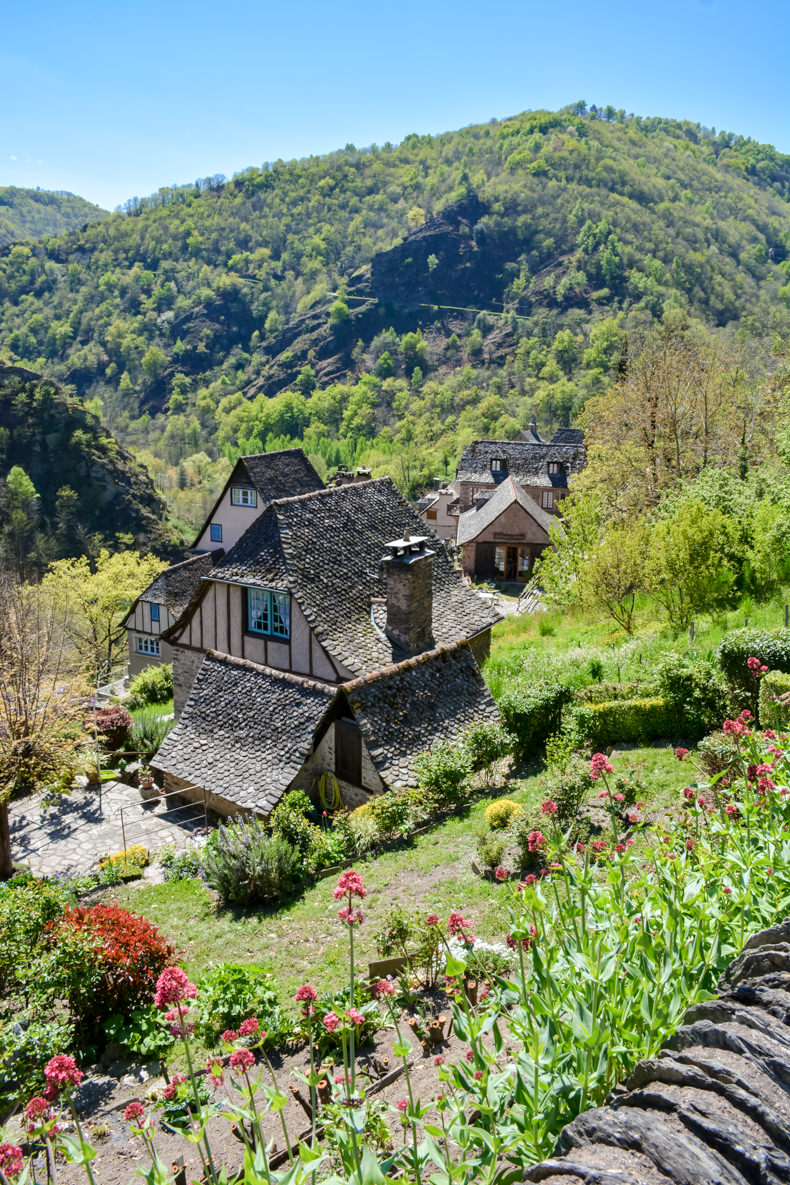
<point>332,637</point>
<point>503,534</point>
<point>439,511</point>
<point>253,484</point>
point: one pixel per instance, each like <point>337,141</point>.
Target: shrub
<point>230,993</point>
<point>485,745</point>
<point>247,865</point>
<point>130,954</point>
<point>154,685</point>
<point>391,811</point>
<point>363,830</point>
<point>143,1031</point>
<point>569,788</point>
<point>604,693</point>
<point>148,732</point>
<point>129,862</point>
<point>408,934</point>
<point>695,690</point>
<point>532,713</point>
<point>771,647</point>
<point>716,754</point>
<point>491,849</point>
<point>293,819</point>
<point>25,1048</point>
<point>501,812</point>
<point>112,726</point>
<point>181,864</point>
<point>622,721</point>
<point>27,908</point>
<point>444,773</point>
<point>773,714</point>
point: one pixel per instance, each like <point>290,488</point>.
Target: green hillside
<point>66,486</point>
<point>406,297</point>
<point>34,213</point>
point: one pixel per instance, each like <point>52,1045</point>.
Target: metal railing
<point>172,816</point>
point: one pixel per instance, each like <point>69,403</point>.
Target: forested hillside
<point>68,488</point>
<point>388,304</point>
<point>34,213</point>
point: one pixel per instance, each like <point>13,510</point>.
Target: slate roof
<point>283,474</point>
<point>472,522</point>
<point>568,436</point>
<point>527,462</point>
<point>245,731</point>
<point>326,548</point>
<point>406,709</point>
<point>177,585</point>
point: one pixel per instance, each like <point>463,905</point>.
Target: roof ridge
<point>260,668</point>
<point>406,665</point>
<point>275,452</point>
<point>352,485</point>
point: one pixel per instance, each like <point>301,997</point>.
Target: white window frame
<point>556,467</point>
<point>146,645</point>
<point>269,613</point>
<point>243,496</point>
<point>498,465</point>
<point>547,499</point>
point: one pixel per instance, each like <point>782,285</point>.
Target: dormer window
<point>556,467</point>
<point>243,496</point>
<point>269,612</point>
<point>498,465</point>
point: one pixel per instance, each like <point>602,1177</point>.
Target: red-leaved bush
<point>112,725</point>
<point>130,955</point>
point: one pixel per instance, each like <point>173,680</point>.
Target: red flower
<point>11,1160</point>
<point>432,919</point>
<point>61,1071</point>
<point>470,1057</point>
<point>536,840</point>
<point>248,1028</point>
<point>530,880</point>
<point>383,988</point>
<point>456,924</point>
<point>501,874</point>
<point>681,754</point>
<point>731,809</point>
<point>242,1059</point>
<point>331,1021</point>
<point>549,807</point>
<point>37,1112</point>
<point>688,793</point>
<point>599,845</point>
<point>349,885</point>
<point>438,1061</point>
<point>214,1072</point>
<point>134,1112</point>
<point>599,764</point>
<point>306,996</point>
<point>619,847</point>
<point>349,917</point>
<point>478,1074</point>
<point>229,1036</point>
<point>355,1016</point>
<point>172,987</point>
<point>171,1090</point>
<point>403,1106</point>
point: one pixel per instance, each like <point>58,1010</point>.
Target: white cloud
<point>12,158</point>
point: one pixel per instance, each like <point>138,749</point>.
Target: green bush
<point>320,847</point>
<point>154,685</point>
<point>179,864</point>
<point>771,647</point>
<point>623,721</point>
<point>491,850</point>
<point>773,714</point>
<point>248,866</point>
<point>148,733</point>
<point>716,754</point>
<point>485,745</point>
<point>391,812</point>
<point>444,773</point>
<point>695,690</point>
<point>606,693</point>
<point>232,992</point>
<point>569,788</point>
<point>27,907</point>
<point>26,1045</point>
<point>532,713</point>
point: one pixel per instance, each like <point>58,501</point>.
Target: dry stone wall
<point>713,1108</point>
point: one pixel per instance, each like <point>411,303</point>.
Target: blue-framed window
<point>154,613</point>
<point>147,645</point>
<point>216,532</point>
<point>243,496</point>
<point>269,612</point>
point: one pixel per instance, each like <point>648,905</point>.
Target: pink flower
<point>349,917</point>
<point>214,1072</point>
<point>478,1074</point>
<point>331,1021</point>
<point>600,765</point>
<point>355,1016</point>
<point>681,754</point>
<point>135,1111</point>
<point>599,845</point>
<point>172,986</point>
<point>691,843</point>
<point>61,1071</point>
<point>242,1059</point>
<point>456,924</point>
<point>37,1112</point>
<point>11,1160</point>
<point>632,818</point>
<point>727,890</point>
<point>549,807</point>
<point>753,664</point>
<point>731,809</point>
<point>501,874</point>
<point>306,994</point>
<point>619,847</point>
<point>403,1106</point>
<point>531,879</point>
<point>171,1090</point>
<point>432,919</point>
<point>536,840</point>
<point>248,1028</point>
<point>513,943</point>
<point>619,797</point>
<point>383,988</point>
<point>469,1055</point>
<point>229,1036</point>
<point>688,793</point>
<point>579,847</point>
<point>438,1061</point>
<point>349,885</point>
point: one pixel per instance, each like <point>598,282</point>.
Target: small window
<point>348,752</point>
<point>547,499</point>
<point>269,612</point>
<point>431,514</point>
<point>499,563</point>
<point>523,563</point>
<point>154,613</point>
<point>498,465</point>
<point>556,467</point>
<point>216,532</point>
<point>243,496</point>
<point>147,645</point>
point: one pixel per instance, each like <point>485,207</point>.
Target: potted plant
<point>149,791</point>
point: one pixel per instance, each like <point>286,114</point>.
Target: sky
<point>111,100</point>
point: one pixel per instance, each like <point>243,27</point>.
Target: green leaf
<point>455,967</point>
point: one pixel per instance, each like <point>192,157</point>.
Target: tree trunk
<point>6,863</point>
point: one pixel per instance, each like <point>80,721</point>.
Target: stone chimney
<point>408,580</point>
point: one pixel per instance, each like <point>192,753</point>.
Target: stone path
<point>74,832</point>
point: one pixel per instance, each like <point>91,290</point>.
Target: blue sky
<point>113,100</point>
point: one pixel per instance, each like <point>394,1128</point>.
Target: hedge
<point>774,715</point>
<point>532,714</point>
<point>620,721</point>
<point>605,693</point>
<point>772,647</point>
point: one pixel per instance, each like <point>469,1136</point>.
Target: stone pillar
<point>408,577</point>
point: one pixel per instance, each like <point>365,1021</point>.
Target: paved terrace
<point>71,834</point>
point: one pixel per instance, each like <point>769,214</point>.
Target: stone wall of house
<point>186,664</point>
<point>195,794</point>
<point>138,662</point>
<point>481,646</point>
<point>323,759</point>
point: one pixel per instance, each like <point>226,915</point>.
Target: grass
<point>163,709</point>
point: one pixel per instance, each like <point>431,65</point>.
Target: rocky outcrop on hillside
<point>713,1108</point>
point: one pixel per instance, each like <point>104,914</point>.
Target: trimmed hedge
<point>772,714</point>
<point>531,714</point>
<point>772,647</point>
<point>620,721</point>
<point>606,693</point>
<point>695,690</point>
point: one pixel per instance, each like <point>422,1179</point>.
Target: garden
<point>501,948</point>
